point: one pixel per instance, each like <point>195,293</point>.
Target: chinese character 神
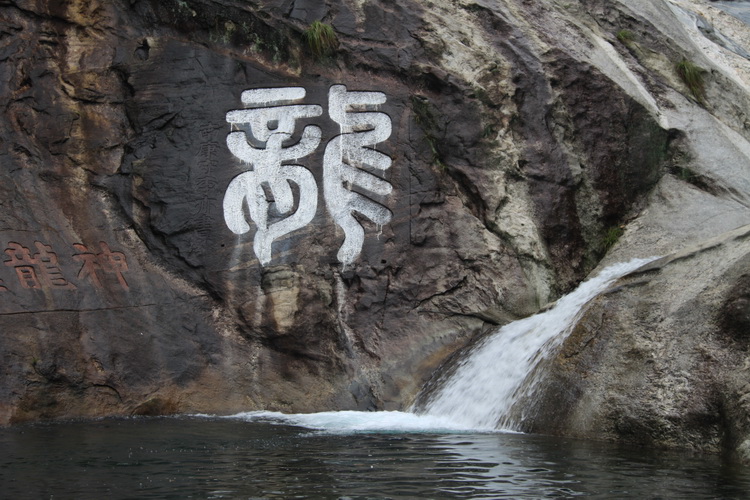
<point>108,261</point>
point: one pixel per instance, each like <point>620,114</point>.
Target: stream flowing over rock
<point>178,239</point>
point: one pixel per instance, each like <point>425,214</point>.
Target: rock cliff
<point>660,359</point>
<point>178,239</point>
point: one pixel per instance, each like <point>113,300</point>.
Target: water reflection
<point>219,458</point>
<point>512,466</point>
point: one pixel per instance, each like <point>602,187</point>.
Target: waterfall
<point>480,391</point>
<point>502,368</point>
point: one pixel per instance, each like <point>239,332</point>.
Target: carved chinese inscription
<point>203,181</point>
<point>346,157</point>
<point>269,117</point>
<point>106,261</point>
<point>41,270</point>
<point>271,123</point>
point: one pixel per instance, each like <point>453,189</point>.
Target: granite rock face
<point>661,358</point>
<point>524,136</point>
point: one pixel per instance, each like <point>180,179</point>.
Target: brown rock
<point>125,291</point>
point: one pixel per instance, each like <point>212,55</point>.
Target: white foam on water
<point>352,422</point>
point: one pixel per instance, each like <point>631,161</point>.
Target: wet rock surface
<point>659,360</point>
<point>525,139</point>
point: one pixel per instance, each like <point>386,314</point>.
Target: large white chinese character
<point>271,117</point>
<point>346,158</point>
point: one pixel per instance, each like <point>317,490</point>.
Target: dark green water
<point>225,458</point>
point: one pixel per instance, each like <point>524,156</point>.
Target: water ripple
<point>232,458</point>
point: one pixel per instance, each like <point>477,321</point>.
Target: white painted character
<point>347,160</point>
<point>270,115</point>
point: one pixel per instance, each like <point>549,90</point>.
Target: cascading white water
<point>501,369</point>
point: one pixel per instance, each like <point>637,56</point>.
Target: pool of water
<point>268,457</point>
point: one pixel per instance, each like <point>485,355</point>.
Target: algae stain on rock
<point>281,286</point>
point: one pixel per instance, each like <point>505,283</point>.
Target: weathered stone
<point>523,137</point>
<point>135,157</point>
<point>652,361</point>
